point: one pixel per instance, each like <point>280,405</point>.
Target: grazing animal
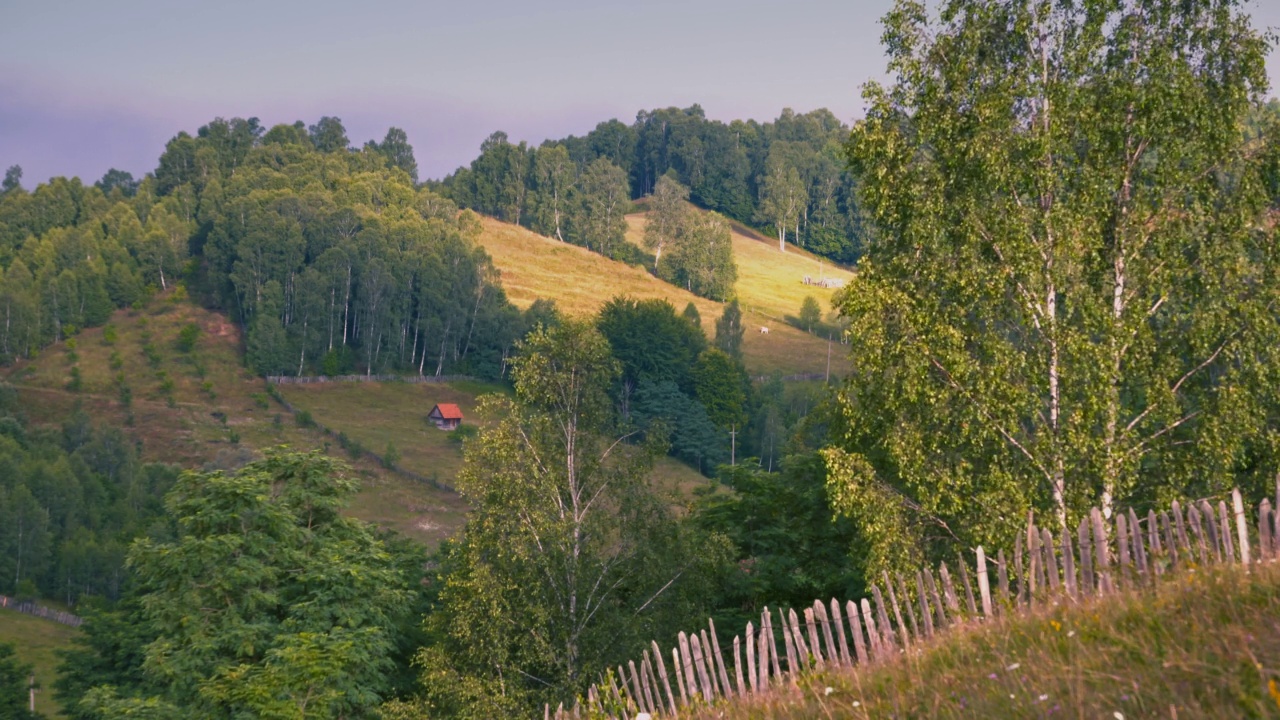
<point>764,330</point>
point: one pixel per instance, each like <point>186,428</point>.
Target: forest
<point>1065,297</point>
<point>788,176</point>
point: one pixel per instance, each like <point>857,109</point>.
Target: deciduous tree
<point>1070,296</point>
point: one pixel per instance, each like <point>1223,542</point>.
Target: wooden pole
<point>906,603</point>
<point>882,617</point>
<point>751,658</point>
<point>1002,577</point>
<point>876,650</point>
<point>1050,560</point>
<point>1224,521</point>
<point>1102,559</point>
<point>855,629</point>
<point>897,612</point>
<point>737,665</point>
<point>772,648</point>
<point>968,586</point>
<point>838,625</point>
<point>984,584</point>
<point>1087,584</point>
<point>1068,563</point>
<point>811,624</point>
<point>820,614</point>
<point>662,673</point>
<point>926,613</point>
<point>676,664</point>
<point>715,645</point>
<point>1242,525</point>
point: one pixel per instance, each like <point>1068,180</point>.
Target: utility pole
<point>733,445</point>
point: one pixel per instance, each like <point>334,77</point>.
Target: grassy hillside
<point>203,408</point>
<point>1204,646</point>
<point>34,639</point>
<point>770,286</point>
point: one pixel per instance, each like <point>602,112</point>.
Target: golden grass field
<point>34,640</point>
<point>770,286</point>
<point>191,432</point>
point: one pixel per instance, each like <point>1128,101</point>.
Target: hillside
<point>203,408</point>
<point>770,286</point>
<point>1205,646</point>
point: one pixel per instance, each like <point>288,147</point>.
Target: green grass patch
<point>35,640</point>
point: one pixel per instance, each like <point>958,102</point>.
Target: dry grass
<point>1206,645</point>
<point>191,430</point>
<point>580,281</point>
<point>34,640</point>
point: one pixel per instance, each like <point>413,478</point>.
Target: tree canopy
<point>1070,290</point>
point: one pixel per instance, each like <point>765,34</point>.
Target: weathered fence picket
<point>1102,554</point>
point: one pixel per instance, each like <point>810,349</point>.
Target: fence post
<point>838,625</point>
<point>855,629</point>
<point>662,673</point>
<point>1242,524</point>
<point>984,584</point>
<point>715,646</point>
<point>1068,563</point>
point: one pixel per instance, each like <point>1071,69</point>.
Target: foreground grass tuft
<point>1204,646</point>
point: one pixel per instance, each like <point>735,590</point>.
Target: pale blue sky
<point>86,85</point>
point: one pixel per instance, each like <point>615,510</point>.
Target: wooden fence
<point>30,608</point>
<point>1099,557</point>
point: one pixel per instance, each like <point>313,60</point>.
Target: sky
<point>87,85</point>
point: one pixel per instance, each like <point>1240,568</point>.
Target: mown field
<point>204,409</point>
<point>35,640</point>
<point>770,287</point>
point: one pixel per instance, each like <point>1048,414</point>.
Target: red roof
<point>448,411</point>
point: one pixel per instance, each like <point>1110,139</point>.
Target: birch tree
<point>1071,281</point>
<point>568,560</point>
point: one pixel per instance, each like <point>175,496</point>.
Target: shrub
<point>110,335</point>
<point>391,456</point>
<point>304,419</point>
<point>76,383</point>
<point>187,337</point>
<point>115,361</point>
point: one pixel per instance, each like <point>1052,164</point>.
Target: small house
<point>446,416</point>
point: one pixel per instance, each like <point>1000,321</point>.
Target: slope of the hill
<point>770,282</point>
<point>202,407</point>
<point>1206,645</point>
<point>580,282</point>
<point>34,641</point>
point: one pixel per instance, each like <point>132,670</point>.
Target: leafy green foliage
<point>650,340</point>
<point>13,686</point>
<point>788,549</point>
<point>70,502</point>
<point>267,602</point>
<point>1068,300</point>
<point>569,561</point>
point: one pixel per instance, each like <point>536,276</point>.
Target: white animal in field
<point>764,330</point>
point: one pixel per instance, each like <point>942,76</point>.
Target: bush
<point>304,419</point>
<point>207,387</point>
<point>260,399</point>
<point>110,335</point>
<point>463,434</point>
<point>391,456</point>
<point>187,337</point>
<point>76,383</point>
<point>152,355</point>
<point>115,361</point>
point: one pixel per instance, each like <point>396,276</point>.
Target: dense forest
<point>330,258</point>
<point>71,502</point>
<point>788,175</point>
